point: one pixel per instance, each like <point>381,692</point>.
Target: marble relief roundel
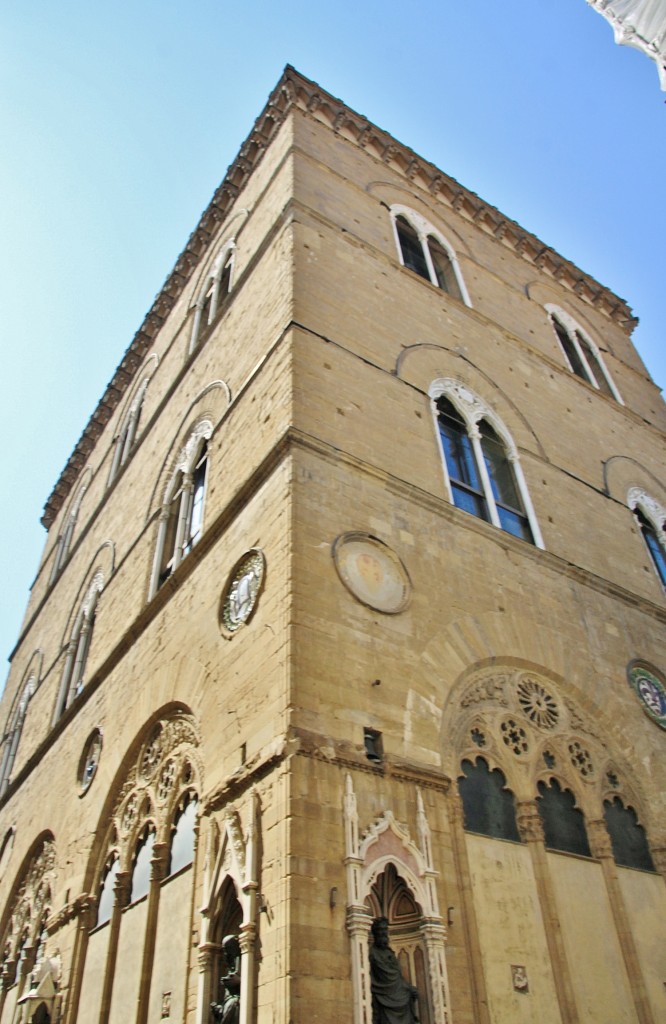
<point>651,693</point>
<point>241,593</point>
<point>372,572</point>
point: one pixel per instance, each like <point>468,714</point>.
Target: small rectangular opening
<point>374,748</point>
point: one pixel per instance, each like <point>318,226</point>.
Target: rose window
<point>538,704</point>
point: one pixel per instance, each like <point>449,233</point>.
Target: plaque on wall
<point>89,762</point>
<point>651,693</point>
<point>372,572</point>
<point>241,592</point>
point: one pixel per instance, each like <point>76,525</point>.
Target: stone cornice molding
<point>295,91</point>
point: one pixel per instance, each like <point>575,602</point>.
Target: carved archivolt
<point>30,909</point>
<point>522,723</point>
<point>167,766</point>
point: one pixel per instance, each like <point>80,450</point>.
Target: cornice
<point>294,90</point>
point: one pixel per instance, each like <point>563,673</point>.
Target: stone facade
<point>269,652</point>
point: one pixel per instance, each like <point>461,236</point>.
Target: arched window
<point>628,839</point>
<point>483,473</point>
<point>181,519</point>
<point>581,354</point>
<point>141,865</point>
<point>64,542</point>
<point>651,520</point>
<point>212,294</point>
<point>563,824</point>
<point>107,890</point>
<point>78,648</point>
<point>182,839</point>
<point>422,249</point>
<point>126,437</point>
<point>488,806</point>
<point>13,734</point>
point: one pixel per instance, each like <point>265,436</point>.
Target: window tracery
<point>651,519</point>
<point>212,293</point>
<point>78,647</point>
<point>25,939</point>
<point>482,469</point>
<point>425,251</point>
<point>181,518</point>
<point>581,354</point>
<point>546,748</point>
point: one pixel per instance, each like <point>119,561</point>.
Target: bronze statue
<point>228,1011</point>
<point>394,1001</point>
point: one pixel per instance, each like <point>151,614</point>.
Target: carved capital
<point>528,820</point>
<point>247,938</point>
<point>122,888</point>
<point>599,839</point>
<point>205,957</point>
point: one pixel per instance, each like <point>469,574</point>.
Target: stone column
<point>469,923</point>
<point>121,889</point>
<point>602,850</point>
<point>158,867</point>
<point>530,828</point>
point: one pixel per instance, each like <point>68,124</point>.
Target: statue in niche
<point>228,1011</point>
<point>394,1000</point>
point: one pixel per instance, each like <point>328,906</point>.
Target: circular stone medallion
<point>89,761</point>
<point>240,595</point>
<point>651,693</point>
<point>372,572</point>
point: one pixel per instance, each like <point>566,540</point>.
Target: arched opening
<point>390,897</point>
<point>488,805</point>
<point>226,923</point>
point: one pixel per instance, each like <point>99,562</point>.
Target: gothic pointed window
<point>488,805</point>
<point>628,839</point>
<point>78,648</point>
<point>563,823</point>
<point>181,519</point>
<point>13,735</point>
<point>650,517</point>
<point>182,838</point>
<point>581,354</point>
<point>107,891</point>
<point>212,294</point>
<point>427,253</point>
<point>483,473</point>
<point>129,429</point>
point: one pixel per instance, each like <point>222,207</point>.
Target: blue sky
<point>118,121</point>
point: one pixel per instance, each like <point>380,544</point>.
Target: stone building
<point>352,605</point>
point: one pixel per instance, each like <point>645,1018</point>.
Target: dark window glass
<point>654,547</point>
<point>141,870</point>
<point>107,894</point>
<point>410,247</point>
<point>182,842</point>
<point>487,804</point>
<point>460,461</point>
<point>630,846</point>
<point>563,823</point>
<point>570,350</point>
<point>503,484</point>
<point>441,261</point>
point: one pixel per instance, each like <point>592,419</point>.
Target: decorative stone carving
<point>241,592</point>
<point>537,703</point>
<point>372,572</point>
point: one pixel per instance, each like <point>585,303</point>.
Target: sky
<point>118,121</point>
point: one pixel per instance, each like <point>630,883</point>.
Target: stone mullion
<point>158,863</point>
<point>121,890</point>
<point>602,850</point>
<point>469,922</point>
<point>531,832</point>
<point>87,907</point>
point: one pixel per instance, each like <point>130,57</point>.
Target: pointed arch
<point>125,439</point>
<point>425,250</point>
<point>482,469</point>
<point>69,522</point>
<point>581,353</point>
